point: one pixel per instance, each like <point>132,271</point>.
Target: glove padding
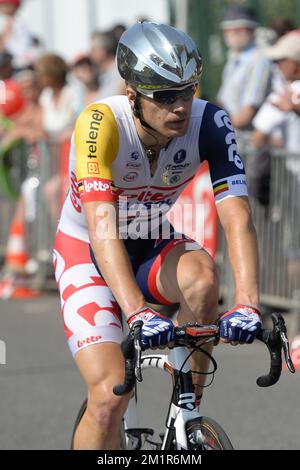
<point>240,324</point>
<point>157,330</point>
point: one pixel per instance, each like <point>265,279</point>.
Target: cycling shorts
<point>91,314</point>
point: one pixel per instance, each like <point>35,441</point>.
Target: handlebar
<point>131,349</point>
<point>275,340</point>
<point>190,335</point>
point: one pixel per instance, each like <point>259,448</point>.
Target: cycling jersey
<point>108,163</point>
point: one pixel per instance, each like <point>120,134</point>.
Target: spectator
<point>53,114</point>
<point>281,25</point>
<point>274,126</point>
<point>286,54</point>
<point>57,98</point>
<point>59,113</point>
<point>103,50</point>
<point>278,108</point>
<point>28,127</point>
<point>247,74</point>
<point>118,30</point>
<point>11,99</point>
<point>267,35</point>
<point>15,36</point>
<point>86,75</point>
<point>28,123</point>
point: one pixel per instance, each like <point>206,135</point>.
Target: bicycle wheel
<point>205,434</point>
<point>78,419</point>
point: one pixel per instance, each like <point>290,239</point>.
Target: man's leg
<point>93,328</point>
<point>102,367</point>
<point>189,277</point>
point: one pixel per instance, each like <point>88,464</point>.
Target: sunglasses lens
<point>171,96</point>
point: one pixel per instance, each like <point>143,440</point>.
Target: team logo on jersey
<point>93,168</point>
<point>222,120</point>
<point>133,165</point>
<point>88,185</point>
<point>180,156</point>
<point>134,156</point>
<point>169,178</point>
<point>171,174</point>
<point>132,176</point>
<point>94,130</point>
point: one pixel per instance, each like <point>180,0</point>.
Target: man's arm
<point>288,101</point>
<point>115,267</point>
<point>97,144</point>
<point>111,255</point>
<point>235,217</point>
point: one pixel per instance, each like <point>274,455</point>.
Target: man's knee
<point>104,408</point>
<point>193,270</point>
<point>198,279</point>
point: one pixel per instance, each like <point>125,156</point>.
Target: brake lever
<point>138,349</point>
<point>286,350</point>
<point>281,327</point>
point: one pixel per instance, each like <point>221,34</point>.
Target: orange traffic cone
<point>13,284</point>
<point>16,255</point>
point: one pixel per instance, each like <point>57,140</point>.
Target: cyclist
<point>136,153</point>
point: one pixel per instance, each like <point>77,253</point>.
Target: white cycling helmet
<point>154,56</point>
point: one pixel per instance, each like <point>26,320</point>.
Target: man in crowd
<point>247,74</point>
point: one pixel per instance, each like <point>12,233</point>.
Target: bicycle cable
<point>215,365</point>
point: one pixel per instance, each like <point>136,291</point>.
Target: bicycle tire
<point>78,419</point>
<point>82,410</point>
<point>211,437</point>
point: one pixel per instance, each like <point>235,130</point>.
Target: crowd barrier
<point>14,162</point>
<point>43,188</point>
<point>277,220</point>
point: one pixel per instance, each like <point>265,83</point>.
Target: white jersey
<point>108,163</point>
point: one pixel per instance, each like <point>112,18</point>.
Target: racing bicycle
<point>185,428</point>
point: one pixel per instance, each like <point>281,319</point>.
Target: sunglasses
<point>170,96</point>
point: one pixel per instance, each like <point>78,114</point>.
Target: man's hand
<point>240,325</point>
<point>284,102</point>
<point>157,330</point>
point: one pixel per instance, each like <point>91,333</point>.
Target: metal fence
<point>13,169</point>
<point>44,203</point>
<point>277,220</point>
<point>41,186</point>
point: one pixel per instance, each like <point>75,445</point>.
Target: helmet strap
<point>137,112</point>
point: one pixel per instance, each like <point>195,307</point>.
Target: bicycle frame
<point>182,409</point>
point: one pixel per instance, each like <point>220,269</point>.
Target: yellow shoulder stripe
<point>97,142</point>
